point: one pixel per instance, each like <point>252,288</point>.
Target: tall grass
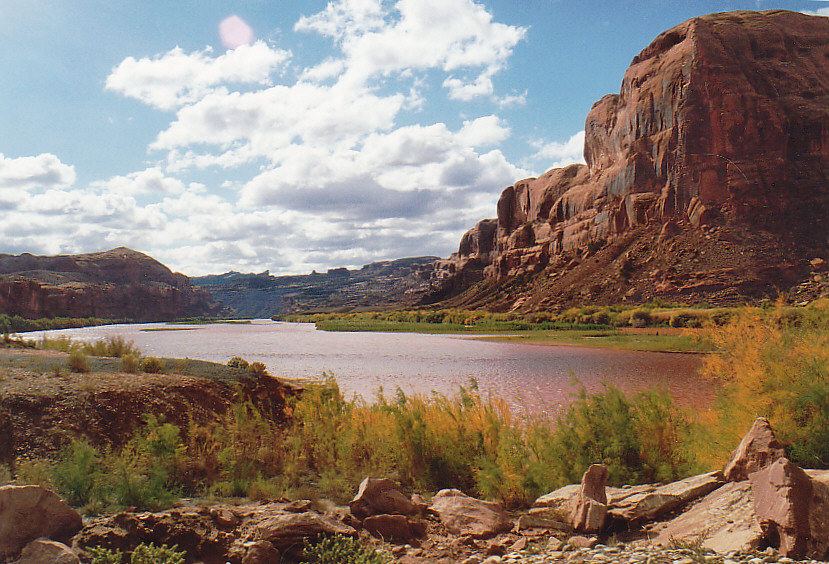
<point>113,346</point>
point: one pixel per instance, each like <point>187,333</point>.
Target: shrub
<point>143,554</point>
<point>257,369</point>
<point>774,364</point>
<point>640,317</point>
<point>130,362</point>
<point>38,472</point>
<point>75,473</point>
<point>342,549</point>
<point>78,362</point>
<point>152,365</point>
<point>238,362</point>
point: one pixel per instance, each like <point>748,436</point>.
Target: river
<point>531,378</point>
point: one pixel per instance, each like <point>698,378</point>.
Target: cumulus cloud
<point>148,181</point>
<point>326,168</point>
<point>43,171</point>
<point>554,154</point>
<point>176,78</point>
<point>453,35</point>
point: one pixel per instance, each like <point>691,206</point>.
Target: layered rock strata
<point>722,120</point>
<point>116,284</point>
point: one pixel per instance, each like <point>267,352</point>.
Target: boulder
<point>380,496</point>
<point>394,528</point>
<point>793,510</point>
<point>260,552</point>
<point>557,502</point>
<point>648,504</point>
<point>590,507</point>
<point>724,519</point>
<point>30,512</point>
<point>41,551</point>
<point>758,449</point>
<point>288,530</point>
<point>462,514</point>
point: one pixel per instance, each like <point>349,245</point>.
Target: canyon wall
<point>116,284</point>
<point>723,119</point>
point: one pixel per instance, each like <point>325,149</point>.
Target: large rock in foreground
<point>29,512</point>
<point>462,514</point>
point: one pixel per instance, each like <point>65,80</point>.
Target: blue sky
<point>312,135</point>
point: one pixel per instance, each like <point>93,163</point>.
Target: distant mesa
<point>707,179</point>
<point>116,284</point>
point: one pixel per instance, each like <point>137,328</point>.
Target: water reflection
<point>531,378</point>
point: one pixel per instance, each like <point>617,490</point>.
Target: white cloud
<point>327,169</point>
<point>42,171</point>
<point>818,12</point>
<point>148,181</point>
<point>177,78</point>
<point>553,154</point>
<point>452,35</point>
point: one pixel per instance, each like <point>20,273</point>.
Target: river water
<point>531,378</point>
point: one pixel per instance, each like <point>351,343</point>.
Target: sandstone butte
<point>116,284</point>
<point>705,179</point>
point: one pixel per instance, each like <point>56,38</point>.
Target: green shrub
<point>640,317</point>
<point>342,549</point>
<point>152,365</point>
<point>143,554</point>
<point>257,369</point>
<point>238,362</point>
<point>130,363</point>
<point>75,473</point>
<point>37,472</point>
<point>78,362</point>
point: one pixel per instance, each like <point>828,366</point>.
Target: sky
<point>296,136</point>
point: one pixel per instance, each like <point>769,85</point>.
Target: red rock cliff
<point>115,284</point>
<point>724,119</point>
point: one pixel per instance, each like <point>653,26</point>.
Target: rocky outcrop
<point>722,120</point>
<point>590,506</point>
<point>116,284</point>
<point>30,512</point>
<point>758,449</point>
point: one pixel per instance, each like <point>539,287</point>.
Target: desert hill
<point>116,284</point>
<point>707,179</point>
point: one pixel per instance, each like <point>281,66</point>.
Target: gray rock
<point>653,501</point>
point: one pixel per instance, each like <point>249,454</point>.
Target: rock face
<point>29,512</point>
<point>590,507</point>
<point>116,284</point>
<point>758,449</point>
<point>793,509</point>
<point>721,120</point>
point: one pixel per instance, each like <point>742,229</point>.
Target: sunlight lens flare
<point>235,32</point>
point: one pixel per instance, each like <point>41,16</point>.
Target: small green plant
<point>257,369</point>
<point>74,474</point>
<point>342,549</point>
<point>143,554</point>
<point>152,365</point>
<point>101,555</point>
<point>238,362</point>
<point>130,363</point>
<point>151,554</point>
<point>78,361</point>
